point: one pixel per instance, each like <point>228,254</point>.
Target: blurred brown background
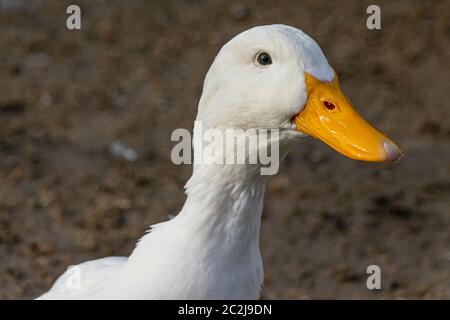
<point>134,73</point>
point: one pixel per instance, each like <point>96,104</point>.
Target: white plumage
<point>210,250</point>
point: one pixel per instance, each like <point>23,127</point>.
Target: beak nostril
<point>329,105</point>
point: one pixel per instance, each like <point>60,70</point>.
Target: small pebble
<point>118,149</point>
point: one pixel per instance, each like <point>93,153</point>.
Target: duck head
<point>277,77</point>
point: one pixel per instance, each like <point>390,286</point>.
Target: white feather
<point>210,250</point>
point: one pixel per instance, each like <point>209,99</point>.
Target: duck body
<point>196,255</point>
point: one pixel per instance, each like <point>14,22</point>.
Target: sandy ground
<point>134,74</point>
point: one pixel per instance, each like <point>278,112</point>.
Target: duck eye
<point>264,59</point>
<point>329,105</point>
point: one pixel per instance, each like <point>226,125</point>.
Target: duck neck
<point>214,239</point>
<point>224,202</point>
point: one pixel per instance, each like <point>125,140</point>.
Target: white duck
<point>272,76</point>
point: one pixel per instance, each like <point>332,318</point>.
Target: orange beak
<point>330,117</point>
